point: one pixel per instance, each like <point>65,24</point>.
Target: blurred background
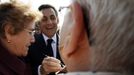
<point>58,4</point>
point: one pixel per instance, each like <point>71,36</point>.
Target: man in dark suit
<point>39,49</point>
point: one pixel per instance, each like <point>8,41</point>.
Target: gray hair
<point>112,28</point>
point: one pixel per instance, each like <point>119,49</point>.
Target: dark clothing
<point>11,64</point>
<point>38,51</point>
<point>49,47</point>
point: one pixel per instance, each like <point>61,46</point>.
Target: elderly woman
<point>16,35</point>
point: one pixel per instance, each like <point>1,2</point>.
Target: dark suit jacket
<point>11,64</point>
<point>37,52</point>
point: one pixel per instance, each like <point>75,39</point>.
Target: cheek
<point>17,46</point>
<point>42,26</point>
<point>22,45</point>
<point>55,22</point>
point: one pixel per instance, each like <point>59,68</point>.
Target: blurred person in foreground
<point>97,37</point>
<point>16,35</point>
<point>42,54</point>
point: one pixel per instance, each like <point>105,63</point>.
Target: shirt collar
<point>46,38</point>
<point>11,61</point>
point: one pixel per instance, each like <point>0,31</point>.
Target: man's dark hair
<point>46,6</point>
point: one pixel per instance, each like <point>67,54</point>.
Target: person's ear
<point>8,32</point>
<point>78,36</point>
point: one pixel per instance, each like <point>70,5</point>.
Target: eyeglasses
<point>63,7</point>
<point>30,31</point>
<point>62,10</point>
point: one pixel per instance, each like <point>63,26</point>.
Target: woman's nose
<point>32,39</point>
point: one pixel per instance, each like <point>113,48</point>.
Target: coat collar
<point>11,61</point>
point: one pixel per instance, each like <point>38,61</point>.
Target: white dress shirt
<point>54,47</point>
<point>54,43</point>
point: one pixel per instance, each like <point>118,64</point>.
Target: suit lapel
<point>43,44</point>
<point>42,40</point>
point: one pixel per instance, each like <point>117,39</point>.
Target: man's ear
<point>78,30</point>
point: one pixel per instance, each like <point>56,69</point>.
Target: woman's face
<point>20,43</point>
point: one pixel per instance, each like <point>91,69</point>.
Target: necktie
<point>49,47</point>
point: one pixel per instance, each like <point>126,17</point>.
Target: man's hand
<point>51,64</point>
